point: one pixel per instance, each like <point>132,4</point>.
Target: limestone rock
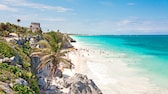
<point>16,59</point>
<point>58,73</point>
<point>42,84</point>
<point>80,84</point>
<point>51,90</point>
<point>21,81</point>
<point>5,87</point>
<point>35,60</point>
<point>12,60</point>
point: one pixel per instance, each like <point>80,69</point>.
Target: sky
<point>90,16</point>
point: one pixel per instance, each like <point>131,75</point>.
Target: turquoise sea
<point>148,53</point>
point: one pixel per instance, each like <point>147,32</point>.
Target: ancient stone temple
<point>35,27</point>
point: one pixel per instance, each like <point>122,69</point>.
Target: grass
<point>6,50</point>
<point>8,74</point>
<point>21,89</point>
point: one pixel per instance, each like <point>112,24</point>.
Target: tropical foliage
<point>52,51</point>
<point>8,73</point>
<point>6,28</point>
<point>21,89</point>
<point>6,50</point>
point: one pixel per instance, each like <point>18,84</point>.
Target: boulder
<point>20,41</point>
<point>35,60</point>
<point>16,59</point>
<point>67,44</point>
<point>72,40</point>
<point>12,60</point>
<point>51,90</point>
<point>58,73</point>
<point>21,81</point>
<point>6,88</point>
<point>42,84</point>
<point>80,84</point>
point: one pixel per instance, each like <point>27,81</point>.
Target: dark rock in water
<point>72,40</point>
<point>80,84</point>
<point>67,44</point>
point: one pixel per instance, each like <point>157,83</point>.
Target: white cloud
<point>124,22</point>
<point>7,8</point>
<point>127,26</point>
<point>53,19</point>
<point>105,3</point>
<point>131,4</point>
<point>25,3</point>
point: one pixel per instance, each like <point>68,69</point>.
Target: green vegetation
<point>51,51</point>
<point>23,53</point>
<point>8,73</point>
<point>1,91</point>
<point>6,28</point>
<point>6,50</point>
<point>21,89</point>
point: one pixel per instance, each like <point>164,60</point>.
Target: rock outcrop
<point>21,81</point>
<point>6,88</point>
<point>12,60</point>
<point>80,84</point>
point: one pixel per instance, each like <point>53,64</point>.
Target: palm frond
<point>43,63</point>
<point>46,50</point>
<point>62,53</point>
<point>44,43</point>
<point>66,62</point>
<point>37,54</point>
<point>45,57</point>
<point>36,50</point>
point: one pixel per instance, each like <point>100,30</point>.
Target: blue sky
<point>90,16</point>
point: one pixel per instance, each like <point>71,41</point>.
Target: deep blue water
<point>147,52</point>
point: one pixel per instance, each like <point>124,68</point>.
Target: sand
<point>121,79</point>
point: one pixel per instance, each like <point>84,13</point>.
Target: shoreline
<point>122,79</point>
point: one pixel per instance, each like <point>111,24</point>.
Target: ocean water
<point>147,53</point>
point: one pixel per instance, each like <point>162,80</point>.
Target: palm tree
<point>51,52</point>
<point>18,20</point>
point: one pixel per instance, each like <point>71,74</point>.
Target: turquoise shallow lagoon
<point>148,53</point>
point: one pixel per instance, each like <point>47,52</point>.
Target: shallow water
<point>145,57</point>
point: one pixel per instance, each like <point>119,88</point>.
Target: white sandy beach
<point>111,74</point>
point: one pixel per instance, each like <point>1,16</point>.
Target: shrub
<point>26,75</point>
<point>6,76</point>
<point>6,50</point>
<point>31,80</point>
<point>26,60</point>
<point>4,66</point>
<point>26,65</point>
<point>21,89</point>
<point>9,72</point>
<point>34,86</point>
<point>13,69</point>
<point>1,92</point>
